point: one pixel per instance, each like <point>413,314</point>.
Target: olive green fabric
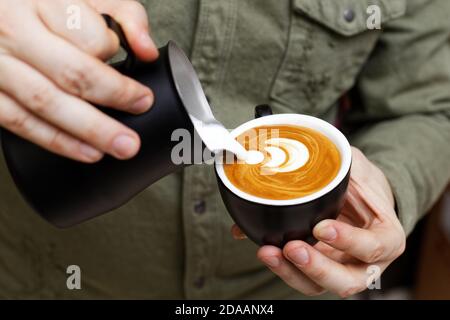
<point>300,56</point>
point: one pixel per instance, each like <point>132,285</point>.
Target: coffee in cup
<point>298,161</point>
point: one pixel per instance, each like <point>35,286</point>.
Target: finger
<point>333,253</point>
<point>81,74</point>
<point>237,233</point>
<point>131,15</point>
<point>18,120</point>
<point>324,271</point>
<point>66,112</point>
<point>273,258</point>
<point>89,33</point>
<point>378,244</point>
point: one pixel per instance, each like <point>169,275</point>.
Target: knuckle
<point>54,142</point>
<point>287,276</point>
<point>98,46</point>
<point>92,134</point>
<point>59,142</point>
<point>346,241</point>
<point>16,122</point>
<point>399,243</point>
<point>319,274</point>
<point>125,91</point>
<point>401,248</point>
<point>376,254</point>
<point>75,79</point>
<point>40,98</point>
<point>101,46</point>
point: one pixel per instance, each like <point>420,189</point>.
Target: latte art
<point>285,162</point>
<point>286,155</point>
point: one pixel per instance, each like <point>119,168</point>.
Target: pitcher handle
<point>263,110</point>
<point>117,28</point>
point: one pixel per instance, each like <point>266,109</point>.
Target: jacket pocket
<point>328,43</point>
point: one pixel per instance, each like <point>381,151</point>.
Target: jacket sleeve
<point>403,116</point>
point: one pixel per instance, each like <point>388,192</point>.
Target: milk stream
<point>286,155</point>
<point>217,138</point>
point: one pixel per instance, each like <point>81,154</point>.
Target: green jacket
<point>173,240</point>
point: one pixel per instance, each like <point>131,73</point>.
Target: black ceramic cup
<point>275,222</point>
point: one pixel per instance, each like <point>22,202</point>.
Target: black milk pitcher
<point>66,192</point>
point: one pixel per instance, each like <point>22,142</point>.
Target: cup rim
<point>311,122</point>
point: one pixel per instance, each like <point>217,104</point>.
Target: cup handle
<point>117,28</point>
<point>263,110</point>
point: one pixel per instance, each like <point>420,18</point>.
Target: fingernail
<point>271,261</point>
<point>141,105</point>
<point>327,233</point>
<point>299,256</point>
<point>89,152</point>
<point>125,146</point>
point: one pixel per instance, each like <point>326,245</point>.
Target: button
<point>199,283</point>
<point>349,15</point>
<point>200,206</point>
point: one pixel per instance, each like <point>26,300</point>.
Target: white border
<point>297,120</point>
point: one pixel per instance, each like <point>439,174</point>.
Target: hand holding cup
<point>366,233</point>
